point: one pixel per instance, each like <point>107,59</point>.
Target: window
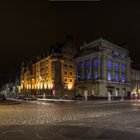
<point>95,62</point>
<point>96,75</point>
<point>116,53</point>
<point>65,72</point>
<point>116,77</point>
<point>71,66</point>
<point>88,77</point>
<point>65,65</point>
<point>79,74</point>
<point>65,79</point>
<point>123,67</point>
<point>109,76</point>
<point>87,69</point>
<point>123,78</point>
<point>70,73</point>
<point>109,64</point>
<point>70,80</point>
<point>116,66</point>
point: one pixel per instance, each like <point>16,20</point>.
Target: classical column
<point>120,72</point>
<point>113,71</point>
<point>103,68</point>
<point>91,70</point>
<point>128,72</point>
<point>99,68</point>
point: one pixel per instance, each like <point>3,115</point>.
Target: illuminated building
<point>103,68</point>
<point>100,68</point>
<point>51,75</point>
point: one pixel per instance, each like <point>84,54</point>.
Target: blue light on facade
<point>109,64</point>
<point>116,77</point>
<point>123,78</point>
<point>96,62</point>
<point>87,70</point>
<point>109,76</point>
<point>96,75</point>
<point>88,77</point>
<point>123,67</point>
<point>116,66</point>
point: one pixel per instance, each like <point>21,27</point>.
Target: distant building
<point>103,68</point>
<point>135,81</point>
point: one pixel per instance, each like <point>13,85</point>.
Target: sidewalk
<point>56,100</point>
<point>82,102</point>
<point>103,102</point>
<point>8,102</point>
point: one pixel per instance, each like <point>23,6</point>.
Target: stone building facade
<point>103,68</point>
<point>51,75</point>
<point>135,81</point>
<point>100,68</point>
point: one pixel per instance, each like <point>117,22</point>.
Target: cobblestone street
<point>75,120</point>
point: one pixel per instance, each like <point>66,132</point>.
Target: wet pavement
<point>75,120</point>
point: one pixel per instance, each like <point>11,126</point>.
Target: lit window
<point>87,69</point>
<point>123,78</point>
<point>116,77</point>
<point>109,64</point>
<point>116,66</point>
<point>95,62</point>
<point>109,76</point>
<point>96,75</point>
<point>123,67</point>
<point>88,77</point>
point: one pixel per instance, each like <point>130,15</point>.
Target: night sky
<point>28,28</point>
